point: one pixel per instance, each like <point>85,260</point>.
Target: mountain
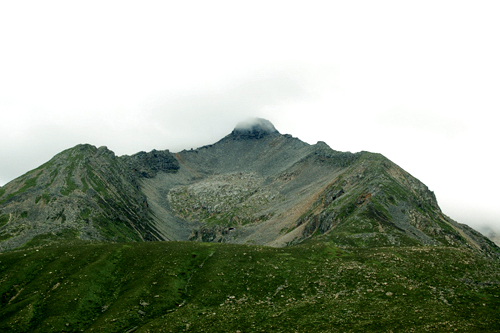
<point>356,244</point>
<point>83,192</point>
<point>254,186</point>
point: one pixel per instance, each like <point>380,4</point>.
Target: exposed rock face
<point>148,165</point>
<point>253,186</point>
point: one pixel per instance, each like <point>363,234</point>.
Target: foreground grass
<point>206,287</point>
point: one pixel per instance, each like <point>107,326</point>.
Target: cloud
<point>206,115</point>
<point>189,119</point>
<point>252,123</point>
<point>421,121</point>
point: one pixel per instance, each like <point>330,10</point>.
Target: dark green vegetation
<point>188,286</point>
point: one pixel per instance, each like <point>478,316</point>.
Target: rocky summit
<point>255,128</point>
<point>254,186</point>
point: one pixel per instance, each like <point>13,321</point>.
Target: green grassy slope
<point>208,287</point>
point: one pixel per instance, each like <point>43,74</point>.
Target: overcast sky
<point>418,81</point>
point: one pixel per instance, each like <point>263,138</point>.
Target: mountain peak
<point>254,128</point>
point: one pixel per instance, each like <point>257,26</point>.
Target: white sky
<point>418,81</point>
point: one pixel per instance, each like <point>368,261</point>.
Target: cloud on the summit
<point>209,114</point>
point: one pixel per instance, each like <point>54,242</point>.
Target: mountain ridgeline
<point>254,186</point>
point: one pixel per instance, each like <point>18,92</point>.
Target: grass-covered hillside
<point>210,287</point>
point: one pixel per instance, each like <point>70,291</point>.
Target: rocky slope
<point>254,186</point>
<point>258,186</point>
<point>84,192</point>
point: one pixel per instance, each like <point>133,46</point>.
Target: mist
<point>417,83</point>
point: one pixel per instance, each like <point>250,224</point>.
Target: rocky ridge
<point>83,192</point>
